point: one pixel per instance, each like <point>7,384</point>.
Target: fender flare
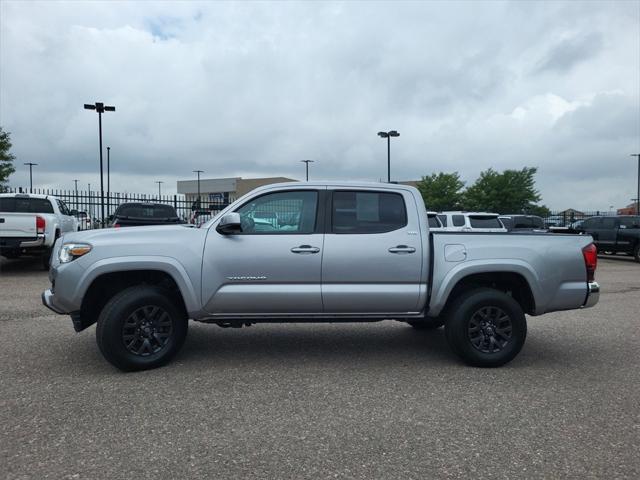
<point>168,265</point>
<point>458,273</point>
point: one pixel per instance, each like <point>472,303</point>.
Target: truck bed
<point>552,264</point>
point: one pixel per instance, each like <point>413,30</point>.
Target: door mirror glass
<point>229,224</point>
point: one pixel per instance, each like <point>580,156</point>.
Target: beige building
<point>224,190</point>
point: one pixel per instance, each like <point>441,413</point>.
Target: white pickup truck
<point>30,224</point>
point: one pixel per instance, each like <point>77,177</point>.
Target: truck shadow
<point>325,344</point>
<point>21,265</point>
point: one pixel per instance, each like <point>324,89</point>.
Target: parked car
<point>359,252</point>
<point>30,224</point>
<point>84,219</point>
<point>435,225</point>
<point>471,222</point>
<point>619,234</point>
<point>137,214</point>
<point>519,223</point>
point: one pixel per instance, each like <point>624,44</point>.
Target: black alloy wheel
<point>147,330</point>
<point>490,329</point>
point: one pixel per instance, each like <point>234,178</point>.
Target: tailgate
<point>17,225</point>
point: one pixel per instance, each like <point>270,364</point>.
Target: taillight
<point>590,254</point>
<point>40,225</point>
<point>116,225</point>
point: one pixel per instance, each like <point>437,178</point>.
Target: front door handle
<point>402,249</point>
<point>305,249</point>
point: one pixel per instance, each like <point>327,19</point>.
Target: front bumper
<point>49,301</point>
<point>593,294</point>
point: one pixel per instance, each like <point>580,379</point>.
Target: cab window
<point>280,213</point>
<point>367,212</point>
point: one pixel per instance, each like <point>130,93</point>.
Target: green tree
<point>441,191</point>
<point>512,191</point>
<point>540,210</point>
<point>6,158</point>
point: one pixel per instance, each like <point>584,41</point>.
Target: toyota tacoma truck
<point>30,224</point>
<point>316,252</point>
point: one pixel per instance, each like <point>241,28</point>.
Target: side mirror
<point>73,212</point>
<point>229,224</point>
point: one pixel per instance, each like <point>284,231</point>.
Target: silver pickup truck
<point>316,252</point>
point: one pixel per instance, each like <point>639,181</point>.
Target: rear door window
<point>608,223</point>
<point>484,222</point>
<point>457,220</point>
<point>367,212</point>
<point>537,222</point>
<point>591,223</point>
<point>630,222</point>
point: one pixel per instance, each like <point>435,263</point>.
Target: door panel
<point>273,266</point>
<point>377,272</point>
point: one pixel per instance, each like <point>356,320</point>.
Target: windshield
<point>25,205</point>
<point>146,211</point>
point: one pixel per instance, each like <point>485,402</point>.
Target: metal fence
<point>89,201</point>
<point>192,212</point>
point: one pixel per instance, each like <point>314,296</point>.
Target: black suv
<point>141,214</point>
<point>614,234</point>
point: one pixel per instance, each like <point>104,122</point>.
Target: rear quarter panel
<point>552,265</point>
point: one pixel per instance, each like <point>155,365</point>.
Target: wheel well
<point>104,287</point>
<point>510,283</point>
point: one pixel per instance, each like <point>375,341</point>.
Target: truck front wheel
<point>141,328</point>
<point>486,327</point>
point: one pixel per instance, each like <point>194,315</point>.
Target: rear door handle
<point>305,249</point>
<point>402,249</point>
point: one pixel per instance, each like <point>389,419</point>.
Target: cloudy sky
<point>250,89</point>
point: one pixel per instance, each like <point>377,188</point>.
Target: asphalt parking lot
<point>323,401</point>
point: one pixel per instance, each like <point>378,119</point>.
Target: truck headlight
<point>71,251</point>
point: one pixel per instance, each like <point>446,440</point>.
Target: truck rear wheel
<point>141,328</point>
<point>486,327</point>
<point>636,253</point>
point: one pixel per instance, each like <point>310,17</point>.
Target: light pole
<point>307,162</point>
<point>31,165</point>
<point>76,182</point>
<point>108,181</point>
<point>198,172</point>
<point>638,187</point>
<point>159,182</point>
<point>388,135</point>
<point>100,108</point>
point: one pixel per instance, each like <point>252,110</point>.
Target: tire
<point>141,328</point>
<point>428,323</point>
<point>636,253</point>
<point>471,341</point>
